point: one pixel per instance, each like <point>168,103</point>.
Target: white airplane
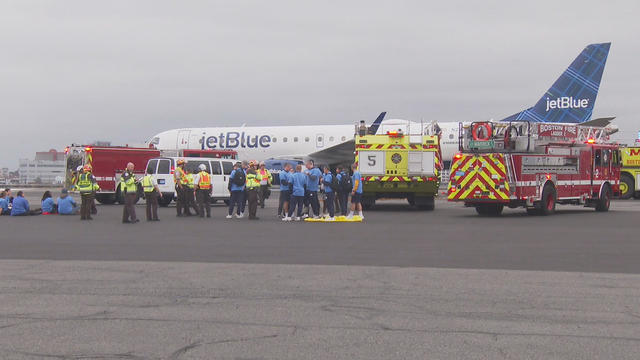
<point>569,100</point>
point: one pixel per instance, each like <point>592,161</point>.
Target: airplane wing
<point>342,153</point>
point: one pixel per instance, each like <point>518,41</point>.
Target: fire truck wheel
<point>626,187</point>
<point>489,209</point>
<point>548,204</point>
<point>533,211</point>
<point>425,203</point>
<point>604,200</point>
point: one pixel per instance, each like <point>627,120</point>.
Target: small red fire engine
<point>534,165</point>
<point>109,162</point>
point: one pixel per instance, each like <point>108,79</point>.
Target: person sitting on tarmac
<point>48,205</point>
<point>21,206</point>
<point>4,204</point>
<point>66,204</point>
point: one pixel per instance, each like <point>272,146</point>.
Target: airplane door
<point>183,139</point>
<point>319,140</point>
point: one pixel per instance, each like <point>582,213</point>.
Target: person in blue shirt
<point>298,182</point>
<point>314,176</point>
<point>4,204</point>
<point>47,203</point>
<point>285,191</point>
<point>66,204</point>
<point>327,181</point>
<point>237,177</point>
<point>344,189</point>
<point>21,206</point>
<point>356,192</point>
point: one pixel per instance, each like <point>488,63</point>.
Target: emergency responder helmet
<point>262,163</point>
<point>79,168</point>
<point>87,167</point>
<point>202,167</point>
<point>180,161</point>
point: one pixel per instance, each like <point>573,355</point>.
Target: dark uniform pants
<point>343,198</point>
<point>129,210</point>
<point>252,198</point>
<point>285,196</point>
<point>86,205</point>
<point>330,203</point>
<point>236,200</point>
<point>313,201</point>
<point>204,202</point>
<point>152,205</point>
<point>296,202</point>
<point>180,201</point>
<point>191,201</point>
<point>264,190</point>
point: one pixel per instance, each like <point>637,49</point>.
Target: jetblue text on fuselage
<point>234,139</point>
<point>567,102</point>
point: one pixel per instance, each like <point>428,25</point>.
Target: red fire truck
<point>109,162</point>
<point>535,166</point>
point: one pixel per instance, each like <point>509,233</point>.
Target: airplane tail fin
<point>376,123</point>
<point>572,97</point>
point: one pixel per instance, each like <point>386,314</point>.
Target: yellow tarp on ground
<point>355,218</point>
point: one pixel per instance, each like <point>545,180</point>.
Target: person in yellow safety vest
<point>180,179</point>
<point>87,186</point>
<point>265,178</point>
<point>252,186</point>
<point>202,181</point>
<point>190,198</point>
<point>129,189</point>
<point>151,194</point>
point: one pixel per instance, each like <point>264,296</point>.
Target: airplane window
<point>274,139</point>
<point>450,136</point>
<point>331,138</point>
<point>319,138</point>
<point>295,139</point>
<point>344,138</point>
<point>306,139</point>
<point>284,139</point>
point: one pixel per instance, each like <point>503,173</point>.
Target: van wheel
<point>605,199</point>
<point>165,200</point>
<point>368,202</point>
<point>627,186</point>
<point>547,206</point>
<point>106,199</point>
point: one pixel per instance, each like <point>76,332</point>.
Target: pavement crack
<point>183,350</point>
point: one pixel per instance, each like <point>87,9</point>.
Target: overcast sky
<point>80,71</point>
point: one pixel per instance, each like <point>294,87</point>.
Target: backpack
<point>239,178</point>
<point>334,183</point>
<point>345,182</point>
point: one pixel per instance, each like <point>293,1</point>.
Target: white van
<point>163,169</point>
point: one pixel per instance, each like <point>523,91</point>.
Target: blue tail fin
<point>572,97</point>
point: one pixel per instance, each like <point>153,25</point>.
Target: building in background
<point>47,168</point>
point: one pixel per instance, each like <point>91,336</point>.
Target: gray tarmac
<point>402,285</point>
